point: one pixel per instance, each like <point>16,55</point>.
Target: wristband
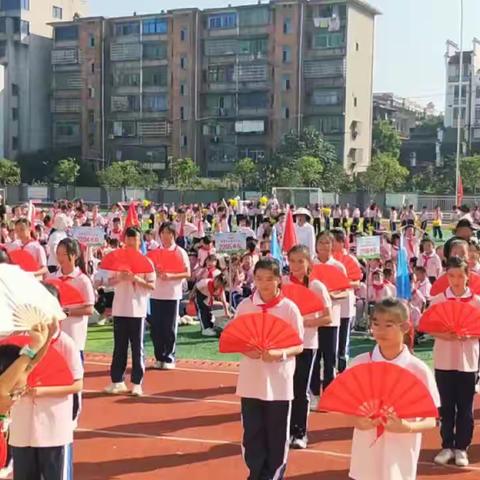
<point>28,352</point>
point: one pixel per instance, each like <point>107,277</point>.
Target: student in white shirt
<point>394,455</point>
<point>430,260</point>
<point>165,301</point>
<point>58,233</point>
<point>424,219</point>
<point>456,367</point>
<point>265,381</point>
<point>300,266</point>
<point>132,293</point>
<point>304,230</point>
<point>244,227</point>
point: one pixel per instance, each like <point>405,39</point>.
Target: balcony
<point>221,32</point>
<point>65,56</point>
<point>314,53</point>
<point>253,111</point>
<point>312,109</point>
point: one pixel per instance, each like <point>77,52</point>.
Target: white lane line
<point>209,441</point>
<point>181,369</point>
<point>169,397</point>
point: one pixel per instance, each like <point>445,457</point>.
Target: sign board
<point>89,235</point>
<point>368,247</point>
<point>230,242</point>
<point>37,193</point>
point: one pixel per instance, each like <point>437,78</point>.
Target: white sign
<point>89,235</point>
<point>368,247</point>
<point>230,242</point>
<point>37,193</point>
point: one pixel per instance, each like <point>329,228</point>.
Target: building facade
<point>222,84</point>
<point>25,45</point>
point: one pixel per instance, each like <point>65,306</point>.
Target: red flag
<point>289,236</point>
<point>132,217</point>
<point>459,191</point>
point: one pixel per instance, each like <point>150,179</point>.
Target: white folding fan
<point>24,301</point>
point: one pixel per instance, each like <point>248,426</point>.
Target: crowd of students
<point>278,388</point>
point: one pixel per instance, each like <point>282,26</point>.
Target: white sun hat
<point>302,211</point>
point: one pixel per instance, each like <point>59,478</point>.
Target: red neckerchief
<point>207,249</point>
<point>211,291</point>
<point>23,245</point>
<point>295,280</point>
<point>210,272</point>
<point>460,299</point>
<point>426,259</point>
<point>272,303</point>
<point>378,287</point>
<point>181,231</point>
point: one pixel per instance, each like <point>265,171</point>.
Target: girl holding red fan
<point>456,366</point>
<point>299,260</point>
<point>165,301</point>
<point>393,455</point>
<point>265,381</point>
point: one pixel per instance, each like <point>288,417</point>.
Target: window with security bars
<point>220,73</point>
<point>251,73</point>
<point>324,68</point>
<point>155,51</point>
<point>326,97</point>
<point>126,28</point>
<point>155,76</point>
<point>250,17</point>
<point>155,26</point>
<point>329,40</point>
<point>155,103</point>
<point>222,20</point>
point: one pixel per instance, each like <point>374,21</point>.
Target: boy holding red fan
<point>265,381</point>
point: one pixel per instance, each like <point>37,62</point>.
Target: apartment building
<point>218,85</point>
<point>25,45</point>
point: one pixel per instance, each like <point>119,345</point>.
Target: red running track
<point>187,427</point>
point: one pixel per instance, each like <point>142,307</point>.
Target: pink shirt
<point>171,289</point>
<point>458,355</point>
<point>32,247</point>
<point>130,300</point>
<point>76,327</point>
<point>393,456</point>
<point>265,380</point>
<point>431,263</point>
<point>47,421</point>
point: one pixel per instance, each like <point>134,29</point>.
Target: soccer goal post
<point>301,196</point>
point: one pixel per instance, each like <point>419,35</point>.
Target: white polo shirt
<point>265,380</point>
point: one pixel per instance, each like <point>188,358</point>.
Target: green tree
<point>9,172</point>
<point>66,172</point>
<point>385,139</point>
<point>246,171</point>
<point>385,174</point>
<point>126,174</point>
<point>470,172</point>
<point>185,173</point>
<point>310,170</point>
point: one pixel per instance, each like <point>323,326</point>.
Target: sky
<point>410,38</point>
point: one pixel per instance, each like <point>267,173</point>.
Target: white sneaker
<point>168,366</point>
<point>158,365</point>
<point>314,399</point>
<point>116,388</point>
<point>7,471</point>
<point>444,456</point>
<point>299,443</point>
<point>137,390</point>
<point>461,458</point>
<point>209,332</point>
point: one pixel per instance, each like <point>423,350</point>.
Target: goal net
<point>301,196</point>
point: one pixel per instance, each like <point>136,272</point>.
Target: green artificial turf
<point>193,346</point>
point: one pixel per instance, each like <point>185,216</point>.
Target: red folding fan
<point>257,331</point>
<point>69,295</point>
<point>24,260</point>
<point>306,300</point>
<point>332,277</point>
<point>167,261</point>
<point>3,448</point>
<point>375,388</point>
<point>51,371</point>
<point>126,260</point>
<point>451,316</point>
<point>354,272</point>
<point>441,284</point>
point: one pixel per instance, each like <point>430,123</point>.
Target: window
<point>15,89</point>
<point>154,51</point>
<point>286,113</point>
<point>128,28</point>
<point>183,34</point>
<point>155,26</point>
<point>255,46</point>
<point>3,49</point>
<point>249,17</point>
<point>25,4</point>
<point>126,79</point>
<point>286,82</point>
<point>357,47</point>
<point>413,159</point>
<point>124,129</point>
<point>14,4</point>
<point>182,89</point>
<point>91,139</point>
<point>155,76</point>
<point>182,113</point>
<point>66,33</point>
<point>183,63</point>
<point>477,114</point>
<point>24,27</point>
<point>91,40</point>
<point>91,92</point>
<point>478,93</point>
<point>91,116</point>
<point>287,25</point>
<point>14,114</point>
<point>224,20</point>
<point>464,93</point>
<point>184,140</point>
<point>220,73</point>
<point>14,143</point>
<point>329,40</point>
<point>326,124</point>
<point>286,55</point>
<point>355,102</point>
<point>3,24</point>
<point>155,103</point>
<point>254,100</point>
<point>57,12</point>
<point>326,97</point>
<point>92,67</point>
